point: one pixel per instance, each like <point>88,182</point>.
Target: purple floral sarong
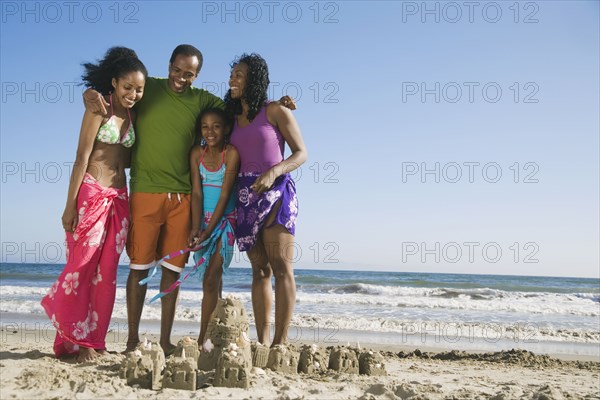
<point>253,209</point>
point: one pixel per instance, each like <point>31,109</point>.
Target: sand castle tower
<point>371,363</point>
<point>180,372</point>
<point>343,359</point>
<point>144,366</point>
<point>283,358</point>
<point>137,370</point>
<point>188,348</point>
<point>233,368</point>
<point>260,355</point>
<point>228,326</point>
<point>313,359</point>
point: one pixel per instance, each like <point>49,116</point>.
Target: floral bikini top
<point>109,132</point>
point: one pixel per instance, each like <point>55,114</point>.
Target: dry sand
<point>28,370</point>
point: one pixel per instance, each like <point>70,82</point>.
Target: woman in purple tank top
<point>266,205</point>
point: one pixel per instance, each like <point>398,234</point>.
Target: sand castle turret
<point>313,359</point>
<point>144,366</point>
<point>228,326</point>
<point>343,359</point>
<point>187,347</point>
<point>283,358</point>
<point>233,368</point>
<point>260,355</point>
<point>137,370</point>
<point>371,363</point>
<point>180,372</point>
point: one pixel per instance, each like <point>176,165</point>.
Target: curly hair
<point>257,83</point>
<point>117,62</point>
<point>227,122</point>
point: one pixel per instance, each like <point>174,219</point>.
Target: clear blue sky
<point>387,91</point>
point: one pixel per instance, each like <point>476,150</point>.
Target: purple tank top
<point>259,144</point>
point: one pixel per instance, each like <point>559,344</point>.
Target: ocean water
<point>544,314</point>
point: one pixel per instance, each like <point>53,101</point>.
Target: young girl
<point>214,166</point>
<point>267,205</point>
<point>96,215</point>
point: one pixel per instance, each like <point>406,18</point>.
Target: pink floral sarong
<point>80,303</point>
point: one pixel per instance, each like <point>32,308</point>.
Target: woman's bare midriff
<point>107,164</point>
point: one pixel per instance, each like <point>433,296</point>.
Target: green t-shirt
<point>164,136</point>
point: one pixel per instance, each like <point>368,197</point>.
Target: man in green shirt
<point>160,182</point>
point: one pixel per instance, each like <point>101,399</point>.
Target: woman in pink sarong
<point>96,216</point>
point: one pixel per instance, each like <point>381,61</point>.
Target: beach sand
<point>28,370</point>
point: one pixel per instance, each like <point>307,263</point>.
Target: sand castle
<point>260,355</point>
<point>144,366</point>
<point>313,359</point>
<point>229,353</point>
<point>227,347</point>
<point>343,359</point>
<point>187,348</point>
<point>227,350</point>
<point>283,359</point>
<point>233,368</point>
<point>180,372</point>
<point>137,370</point>
<point>371,363</point>
<point>228,325</point>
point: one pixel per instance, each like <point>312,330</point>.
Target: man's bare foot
<point>168,348</point>
<point>86,354</point>
<point>131,345</point>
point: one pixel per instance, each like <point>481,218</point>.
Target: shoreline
<point>37,328</point>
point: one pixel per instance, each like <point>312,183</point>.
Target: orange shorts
<point>160,224</point>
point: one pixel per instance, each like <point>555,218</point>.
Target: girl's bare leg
<point>211,288</point>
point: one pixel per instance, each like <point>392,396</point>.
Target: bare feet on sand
<point>131,345</point>
<point>168,348</point>
<point>86,354</point>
